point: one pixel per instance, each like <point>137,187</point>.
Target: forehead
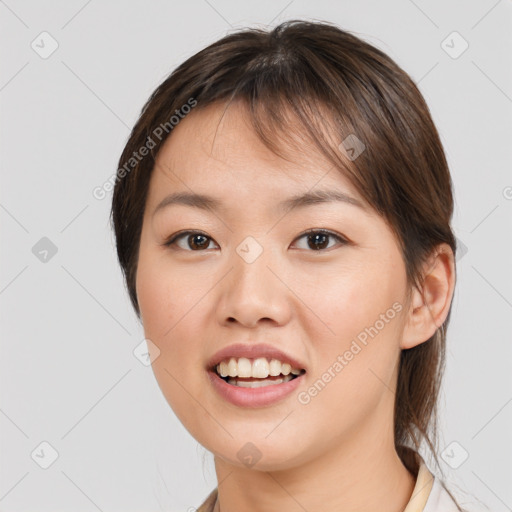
<point>216,151</point>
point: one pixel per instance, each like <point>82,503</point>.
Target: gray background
<point>68,373</point>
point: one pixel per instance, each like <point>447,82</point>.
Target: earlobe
<point>428,311</point>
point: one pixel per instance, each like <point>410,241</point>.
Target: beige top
<point>428,495</point>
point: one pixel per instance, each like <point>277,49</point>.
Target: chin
<point>258,455</point>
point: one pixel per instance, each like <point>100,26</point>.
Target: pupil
<point>316,237</point>
<point>195,237</point>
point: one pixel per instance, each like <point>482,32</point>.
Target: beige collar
<point>421,491</point>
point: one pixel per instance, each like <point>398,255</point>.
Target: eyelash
<point>174,238</point>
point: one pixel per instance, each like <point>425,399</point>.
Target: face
<point>250,273</point>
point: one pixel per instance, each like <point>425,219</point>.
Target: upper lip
<point>253,351</point>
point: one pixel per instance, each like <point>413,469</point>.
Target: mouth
<point>253,391</point>
<point>255,373</point>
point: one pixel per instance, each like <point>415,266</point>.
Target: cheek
<point>347,300</point>
<point>163,292</point>
<point>353,369</point>
<point>356,337</point>
<point>171,307</point>
<point>171,310</point>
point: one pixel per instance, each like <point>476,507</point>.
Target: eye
<point>195,239</point>
<point>317,239</point>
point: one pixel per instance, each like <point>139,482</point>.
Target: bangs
<point>295,121</point>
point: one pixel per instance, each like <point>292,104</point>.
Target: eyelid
<point>334,234</point>
<point>170,242</point>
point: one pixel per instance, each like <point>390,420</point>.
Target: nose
<point>254,292</point>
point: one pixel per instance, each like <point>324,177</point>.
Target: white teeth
<point>285,368</point>
<point>275,367</point>
<point>258,384</point>
<point>232,367</point>
<point>244,367</point>
<point>258,368</point>
<point>223,369</point>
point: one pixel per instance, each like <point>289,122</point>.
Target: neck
<point>363,474</point>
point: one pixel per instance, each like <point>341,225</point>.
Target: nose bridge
<point>252,291</point>
<point>251,260</point>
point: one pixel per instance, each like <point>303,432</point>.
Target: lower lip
<point>253,397</point>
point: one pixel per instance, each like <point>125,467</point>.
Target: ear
<point>428,311</point>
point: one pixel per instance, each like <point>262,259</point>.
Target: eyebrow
<point>205,202</point>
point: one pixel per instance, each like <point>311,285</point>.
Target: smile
<point>256,373</point>
<point>254,383</point>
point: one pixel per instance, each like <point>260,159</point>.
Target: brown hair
<point>328,81</point>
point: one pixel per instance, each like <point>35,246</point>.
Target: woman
<point>282,218</point>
